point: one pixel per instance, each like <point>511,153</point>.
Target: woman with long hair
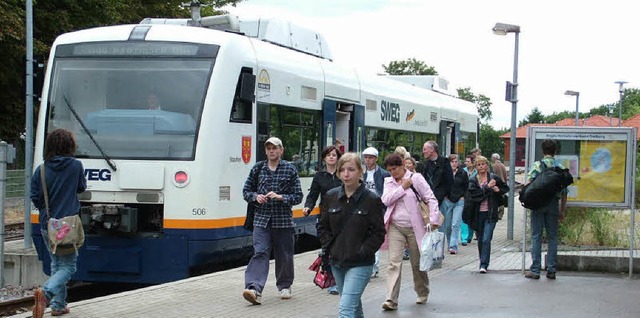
<point>453,204</point>
<point>323,181</point>
<point>405,226</point>
<point>485,193</point>
<point>351,231</point>
<point>64,177</point>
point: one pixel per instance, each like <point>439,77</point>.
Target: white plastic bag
<point>431,250</point>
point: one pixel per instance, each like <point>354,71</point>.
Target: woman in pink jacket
<point>405,225</point>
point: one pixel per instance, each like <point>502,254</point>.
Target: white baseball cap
<point>274,141</point>
<point>370,152</point>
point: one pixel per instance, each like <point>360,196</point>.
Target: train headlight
<point>181,178</point>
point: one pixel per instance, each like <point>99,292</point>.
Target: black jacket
<point>439,175</point>
<point>477,194</point>
<point>323,181</point>
<point>460,185</point>
<point>361,236</point>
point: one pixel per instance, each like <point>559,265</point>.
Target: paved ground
<point>457,290</point>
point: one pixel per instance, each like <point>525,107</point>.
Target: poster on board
<point>601,160</point>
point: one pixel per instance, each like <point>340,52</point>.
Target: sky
<point>584,46</point>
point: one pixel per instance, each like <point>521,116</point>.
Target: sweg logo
<point>97,174</point>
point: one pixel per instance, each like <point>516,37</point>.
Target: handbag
<point>65,235</point>
<point>323,278</point>
<point>251,206</point>
<point>424,209</point>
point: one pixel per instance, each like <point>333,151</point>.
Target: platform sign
<point>601,160</point>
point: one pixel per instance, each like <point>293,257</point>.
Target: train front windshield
<point>139,100</point>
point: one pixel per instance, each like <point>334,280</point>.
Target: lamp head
<point>503,28</point>
<point>621,83</point>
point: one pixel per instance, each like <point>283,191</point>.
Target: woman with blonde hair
<point>485,195</point>
<point>351,230</point>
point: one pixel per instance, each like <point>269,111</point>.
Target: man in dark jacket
<point>437,171</point>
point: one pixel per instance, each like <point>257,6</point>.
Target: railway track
<point>13,232</point>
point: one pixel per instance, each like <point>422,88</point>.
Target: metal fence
<point>14,191</point>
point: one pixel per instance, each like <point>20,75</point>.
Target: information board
<point>601,160</point>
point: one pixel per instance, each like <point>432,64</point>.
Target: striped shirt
<point>283,181</point>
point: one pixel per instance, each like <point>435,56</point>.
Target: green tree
<point>490,141</point>
<point>52,18</point>
<point>555,117</point>
<point>409,66</point>
<point>534,117</point>
<point>483,103</point>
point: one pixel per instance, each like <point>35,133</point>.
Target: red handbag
<point>322,279</point>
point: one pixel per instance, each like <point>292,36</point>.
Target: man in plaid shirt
<point>277,190</point>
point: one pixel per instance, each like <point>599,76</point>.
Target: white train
<point>170,118</point>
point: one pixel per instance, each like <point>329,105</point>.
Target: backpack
<point>545,186</point>
<point>66,235</point>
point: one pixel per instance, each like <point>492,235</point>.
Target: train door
<point>343,125</point>
<point>447,138</point>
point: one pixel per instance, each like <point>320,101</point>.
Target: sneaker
<point>551,275</point>
<point>389,305</point>
<point>483,270</point>
<point>464,243</point>
<point>532,275</point>
<point>40,303</point>
<point>452,251</point>
<point>333,290</point>
<point>285,293</point>
<point>252,296</point>
<point>60,312</point>
<point>422,300</point>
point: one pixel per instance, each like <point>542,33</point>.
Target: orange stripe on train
<point>201,224</point>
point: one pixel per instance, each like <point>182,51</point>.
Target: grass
<point>597,227</point>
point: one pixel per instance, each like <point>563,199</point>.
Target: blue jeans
<point>62,268</point>
<point>485,235</point>
<point>264,240</point>
<point>546,217</point>
<point>452,221</point>
<point>466,233</point>
<point>351,283</point>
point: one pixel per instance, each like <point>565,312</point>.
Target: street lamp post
<point>577,95</point>
<point>504,29</point>
<point>620,90</point>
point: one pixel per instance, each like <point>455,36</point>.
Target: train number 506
<point>199,211</point>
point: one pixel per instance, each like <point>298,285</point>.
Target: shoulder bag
<point>424,209</point>
<point>66,235</point>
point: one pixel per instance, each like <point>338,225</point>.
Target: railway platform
<point>457,290</point>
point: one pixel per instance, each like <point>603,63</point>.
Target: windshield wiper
<point>86,130</point>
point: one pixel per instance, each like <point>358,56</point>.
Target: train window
<point>386,141</point>
<point>241,110</point>
<point>300,132</point>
